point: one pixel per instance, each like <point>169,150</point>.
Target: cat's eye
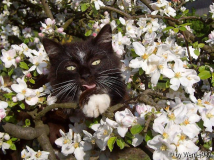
<point>70,68</point>
<point>95,62</point>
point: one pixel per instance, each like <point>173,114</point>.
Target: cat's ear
<point>52,48</point>
<point>104,37</point>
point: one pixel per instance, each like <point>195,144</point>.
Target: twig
<point>116,10</point>
<point>47,9</point>
<point>147,4</point>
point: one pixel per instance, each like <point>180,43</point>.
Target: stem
<point>47,9</point>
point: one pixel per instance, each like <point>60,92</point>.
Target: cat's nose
<point>85,76</point>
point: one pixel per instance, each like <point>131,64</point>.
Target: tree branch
<point>47,9</point>
<point>116,10</point>
<point>147,4</point>
<point>27,133</point>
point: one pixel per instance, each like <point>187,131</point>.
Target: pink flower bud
<point>2,114</point>
<point>41,35</point>
<point>77,4</point>
<point>106,13</point>
<point>36,40</point>
<point>94,34</point>
<point>28,75</point>
<point>18,59</point>
<point>211,36</point>
<point>14,99</point>
<point>60,30</point>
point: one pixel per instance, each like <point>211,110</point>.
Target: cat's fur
<point>102,84</point>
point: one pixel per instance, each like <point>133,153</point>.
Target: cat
<point>87,72</point>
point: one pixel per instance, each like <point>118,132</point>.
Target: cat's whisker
<point>116,73</point>
<point>62,82</point>
<point>110,86</point>
<point>75,86</point>
<point>64,90</point>
<point>114,80</point>
<point>59,65</point>
<point>59,88</point>
<point>109,70</point>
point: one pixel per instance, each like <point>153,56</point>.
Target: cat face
<point>75,67</point>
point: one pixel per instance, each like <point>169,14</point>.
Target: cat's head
<point>83,65</point>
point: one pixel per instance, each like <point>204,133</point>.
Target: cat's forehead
<point>83,51</point>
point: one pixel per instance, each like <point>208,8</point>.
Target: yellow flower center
<point>76,145</point>
<point>183,137</point>
<point>105,132</point>
<point>24,91</point>
<point>129,28</point>
<point>209,115</point>
<point>189,78</point>
<point>160,67</point>
<point>199,102</point>
<point>66,141</point>
<point>119,42</point>
<point>167,108</point>
<point>165,135</point>
<point>38,154</point>
<point>186,122</point>
<point>178,75</point>
<point>9,58</point>
<point>163,147</point>
<point>93,141</point>
<point>23,156</point>
<point>145,56</point>
<point>206,102</point>
<point>155,50</point>
<point>171,116</point>
<point>37,63</point>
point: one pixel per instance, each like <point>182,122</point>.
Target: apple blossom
<point>8,57</point>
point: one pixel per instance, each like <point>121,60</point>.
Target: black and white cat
<point>87,72</point>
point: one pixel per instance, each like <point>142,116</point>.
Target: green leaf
<point>182,29</point>
<point>148,135</point>
<point>204,74</point>
<point>140,71</point>
<point>176,30</point>
<point>10,72</point>
<point>27,122</point>
<point>197,53</point>
<point>9,95</point>
<point>10,119</point>
<point>32,81</point>
<point>129,85</point>
<point>120,143</point>
<point>111,142</point>
<point>88,33</point>
<point>22,106</point>
<point>168,28</point>
<point>136,129</point>
<point>195,45</point>
<point>201,124</point>
<point>13,139</point>
<point>201,45</point>
<point>12,104</point>
<point>13,147</point>
<point>23,65</point>
<point>84,6</point>
<point>202,68</point>
<point>35,73</point>
<point>186,11</point>
<point>212,78</point>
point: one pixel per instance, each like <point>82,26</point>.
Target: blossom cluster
<point>4,137</point>
<point>29,153</point>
